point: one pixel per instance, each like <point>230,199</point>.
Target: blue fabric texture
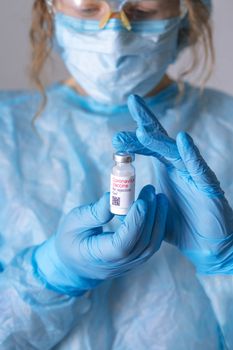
<point>65,164</point>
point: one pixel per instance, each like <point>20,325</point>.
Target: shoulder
<point>26,103</point>
<point>14,98</point>
<point>218,104</point>
<point>17,110</point>
<point>211,115</point>
<point>17,106</point>
<point>218,101</point>
<point>213,111</point>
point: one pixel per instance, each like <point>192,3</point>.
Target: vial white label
<point>122,194</point>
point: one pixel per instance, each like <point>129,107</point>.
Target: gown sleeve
<point>31,315</point>
<point>219,289</point>
<point>217,119</point>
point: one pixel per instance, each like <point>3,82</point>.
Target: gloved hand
<point>80,255</point>
<point>200,220</point>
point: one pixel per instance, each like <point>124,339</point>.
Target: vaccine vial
<point>122,191</point>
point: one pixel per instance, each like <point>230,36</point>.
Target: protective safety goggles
<point>126,10</point>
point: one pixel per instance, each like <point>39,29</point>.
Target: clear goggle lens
<point>127,11</point>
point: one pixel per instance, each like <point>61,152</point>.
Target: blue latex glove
<point>200,220</point>
<point>80,255</point>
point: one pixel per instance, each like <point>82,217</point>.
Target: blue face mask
<point>112,63</point>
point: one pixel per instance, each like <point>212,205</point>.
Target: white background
<point>15,47</point>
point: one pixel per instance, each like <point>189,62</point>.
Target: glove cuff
<point>52,272</point>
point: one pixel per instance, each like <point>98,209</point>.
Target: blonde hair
<point>199,37</point>
<point>197,34</point>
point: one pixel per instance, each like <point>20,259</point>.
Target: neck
<point>165,82</point>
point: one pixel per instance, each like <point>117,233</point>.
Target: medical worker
<point>73,275</point>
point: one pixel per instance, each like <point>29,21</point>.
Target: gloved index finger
<point>127,141</point>
<point>159,144</point>
<point>150,132</point>
<point>152,135</point>
<point>143,115</point>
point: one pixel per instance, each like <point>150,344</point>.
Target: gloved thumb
<point>93,215</point>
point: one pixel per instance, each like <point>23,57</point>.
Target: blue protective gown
<point>161,305</point>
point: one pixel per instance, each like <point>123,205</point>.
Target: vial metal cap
<point>122,157</point>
